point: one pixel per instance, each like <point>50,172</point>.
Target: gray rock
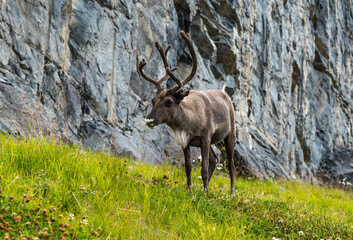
<point>287,66</point>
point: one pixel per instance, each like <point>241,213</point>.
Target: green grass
<point>124,199</point>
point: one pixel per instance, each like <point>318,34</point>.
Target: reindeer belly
<point>218,136</point>
<point>195,142</point>
<point>220,133</point>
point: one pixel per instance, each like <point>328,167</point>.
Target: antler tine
<point>181,83</point>
<point>175,78</point>
<point>163,54</point>
<point>165,77</point>
<point>188,41</point>
<point>142,65</point>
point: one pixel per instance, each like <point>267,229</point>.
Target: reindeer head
<point>167,101</point>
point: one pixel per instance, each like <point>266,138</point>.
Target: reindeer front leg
<point>188,165</point>
<point>205,153</point>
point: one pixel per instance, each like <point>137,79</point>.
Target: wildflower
<point>82,187</point>
<point>71,217</point>
<point>349,184</point>
<point>60,216</point>
<point>219,168</point>
<point>84,222</point>
<point>301,233</point>
<point>52,209</point>
<point>44,212</point>
<point>199,177</point>
<point>18,219</point>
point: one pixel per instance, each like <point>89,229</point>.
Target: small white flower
<point>220,164</point>
<point>301,233</point>
<point>199,177</point>
<point>84,221</point>
<point>219,168</point>
<point>71,217</point>
<point>349,184</point>
<point>200,158</point>
<point>82,187</point>
<point>344,179</point>
<point>343,183</point>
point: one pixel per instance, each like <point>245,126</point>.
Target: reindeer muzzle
<point>150,123</point>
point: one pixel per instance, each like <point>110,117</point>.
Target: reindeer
<point>198,118</point>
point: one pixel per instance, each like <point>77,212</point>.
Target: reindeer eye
<point>168,103</point>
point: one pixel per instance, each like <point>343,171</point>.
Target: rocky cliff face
<point>68,68</point>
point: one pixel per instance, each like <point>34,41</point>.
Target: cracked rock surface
<point>68,68</point>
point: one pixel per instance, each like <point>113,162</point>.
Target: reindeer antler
<point>181,83</point>
<point>163,54</point>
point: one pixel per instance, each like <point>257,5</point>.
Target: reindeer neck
<point>181,118</point>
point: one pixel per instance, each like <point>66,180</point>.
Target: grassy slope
<point>130,200</point>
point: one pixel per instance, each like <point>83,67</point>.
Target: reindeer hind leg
<point>229,143</point>
<point>213,163</point>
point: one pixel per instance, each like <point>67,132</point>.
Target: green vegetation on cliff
<point>54,190</point>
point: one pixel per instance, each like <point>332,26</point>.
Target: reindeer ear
<point>179,95</point>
